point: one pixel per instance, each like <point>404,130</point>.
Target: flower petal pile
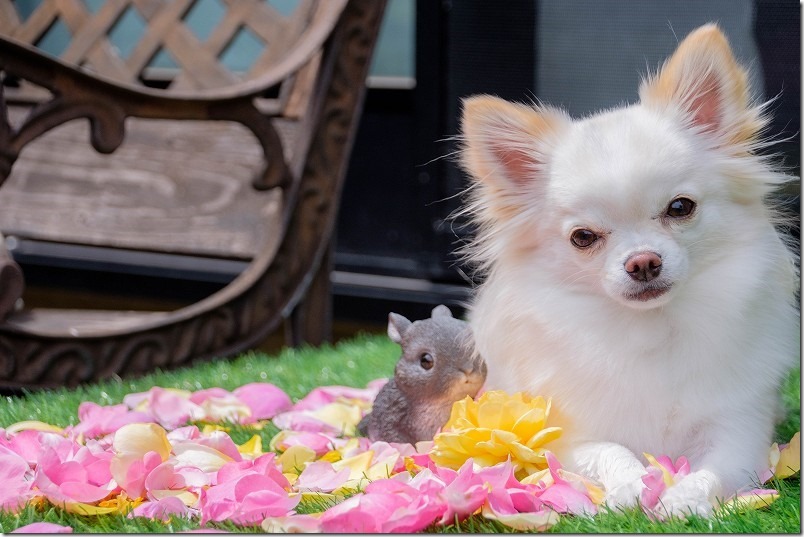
<point>148,458</point>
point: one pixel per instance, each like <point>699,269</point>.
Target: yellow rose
<point>495,428</point>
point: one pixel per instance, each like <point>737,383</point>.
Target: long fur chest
<point>653,382</point>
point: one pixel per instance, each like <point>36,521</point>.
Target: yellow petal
<point>140,438</point>
<point>188,498</point>
<point>411,466</point>
<point>358,465</point>
<point>789,458</point>
<point>131,443</point>
<point>543,476</point>
<point>121,503</point>
<point>33,425</point>
<point>530,423</point>
<point>382,469</point>
<point>544,436</point>
<point>538,521</point>
<point>465,409</point>
<point>251,448</point>
<point>493,415</point>
<point>331,456</point>
<point>78,508</point>
<point>527,455</point>
<point>225,409</point>
<point>739,504</point>
<point>448,442</point>
<point>343,417</point>
<point>210,428</point>
<point>205,458</point>
<point>295,458</point>
<point>666,477</point>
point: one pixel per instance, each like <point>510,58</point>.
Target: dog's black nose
<point>643,266</point>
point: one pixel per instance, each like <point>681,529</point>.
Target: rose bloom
<point>495,428</point>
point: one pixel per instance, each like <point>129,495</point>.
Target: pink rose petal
<point>202,395</point>
<point>220,441</point>
<point>320,476</point>
<point>292,524</point>
<point>264,465</point>
<point>325,395</point>
<point>301,421</point>
<point>265,400</point>
<point>27,444</point>
<point>320,443</point>
<point>14,473</point>
<point>564,496</point>
<point>654,487</point>
<point>96,420</point>
<point>134,483</point>
<point>161,509</point>
<point>183,434</point>
<point>464,495</point>
<point>67,481</point>
<point>247,500</point>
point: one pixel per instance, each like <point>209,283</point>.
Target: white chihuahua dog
<point>633,274</point>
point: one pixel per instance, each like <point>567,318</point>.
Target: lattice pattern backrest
<point>168,43</point>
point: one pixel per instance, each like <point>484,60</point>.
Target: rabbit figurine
<point>438,366</point>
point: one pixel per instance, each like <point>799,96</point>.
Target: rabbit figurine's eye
<point>426,361</point>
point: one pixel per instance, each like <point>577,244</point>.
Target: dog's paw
<point>625,495</point>
<point>690,496</point>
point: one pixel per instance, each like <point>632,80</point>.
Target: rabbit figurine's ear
<point>441,311</point>
<point>397,326</point>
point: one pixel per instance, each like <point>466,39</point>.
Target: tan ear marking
<point>704,79</point>
<point>503,139</point>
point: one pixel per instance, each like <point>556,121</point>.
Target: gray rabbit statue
<point>438,366</point>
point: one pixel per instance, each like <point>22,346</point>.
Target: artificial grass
<point>354,362</point>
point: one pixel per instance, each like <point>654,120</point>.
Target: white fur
<point>694,372</point>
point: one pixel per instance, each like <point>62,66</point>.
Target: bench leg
<point>311,320</point>
<point>12,282</point>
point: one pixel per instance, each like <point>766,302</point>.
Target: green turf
<point>353,363</point>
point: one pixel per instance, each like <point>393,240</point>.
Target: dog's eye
<point>583,238</point>
<point>426,361</point>
<point>680,208</point>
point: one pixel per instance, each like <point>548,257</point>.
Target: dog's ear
<point>506,141</point>
<point>703,79</point>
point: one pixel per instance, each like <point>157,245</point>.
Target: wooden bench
<point>101,148</point>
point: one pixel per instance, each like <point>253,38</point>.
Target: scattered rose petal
<point>325,395</point>
<point>33,425</point>
<point>66,480</point>
<point>247,500</point>
<point>205,458</point>
<point>491,461</point>
<point>789,458</point>
<point>161,509</point>
<point>334,418</point>
<point>319,443</point>
<point>321,476</point>
<point>15,476</point>
<point>96,420</point>
<point>752,499</point>
<point>263,399</point>
<point>138,449</point>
